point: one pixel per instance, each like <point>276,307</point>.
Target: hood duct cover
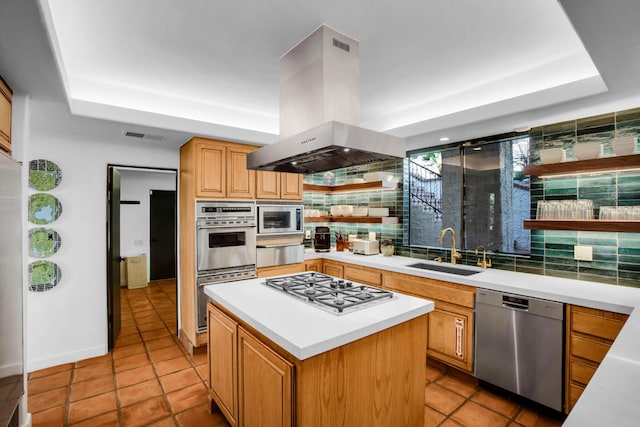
<point>319,111</point>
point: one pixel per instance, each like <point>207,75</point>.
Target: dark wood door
<point>162,233</point>
<point>113,255</point>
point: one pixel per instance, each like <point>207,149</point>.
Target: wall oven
<point>279,218</point>
<point>225,246</point>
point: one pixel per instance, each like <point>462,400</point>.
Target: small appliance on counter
<point>366,247</point>
<point>322,239</point>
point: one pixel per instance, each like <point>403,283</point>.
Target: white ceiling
<point>428,68</point>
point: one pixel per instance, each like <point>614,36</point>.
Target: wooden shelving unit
<point>607,164</point>
<point>360,219</point>
<point>348,188</point>
<point>583,225</point>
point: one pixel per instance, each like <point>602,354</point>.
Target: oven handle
<point>225,227</point>
<point>279,245</point>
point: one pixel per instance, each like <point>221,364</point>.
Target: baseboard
<point>36,365</point>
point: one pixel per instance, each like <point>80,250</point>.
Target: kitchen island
<point>280,361</point>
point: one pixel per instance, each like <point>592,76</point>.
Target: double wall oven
<point>225,246</point>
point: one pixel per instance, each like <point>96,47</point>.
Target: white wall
<point>135,219</point>
<point>69,322</point>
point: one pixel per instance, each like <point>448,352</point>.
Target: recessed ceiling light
<point>294,163</point>
<point>444,138</point>
<point>477,148</point>
<point>347,149</point>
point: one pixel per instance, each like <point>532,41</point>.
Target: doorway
<point>162,234</point>
<point>141,226</point>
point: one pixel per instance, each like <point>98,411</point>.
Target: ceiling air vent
<point>134,134</point>
<point>145,136</point>
<point>341,45</point>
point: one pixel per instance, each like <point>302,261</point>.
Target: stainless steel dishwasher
<point>519,343</point>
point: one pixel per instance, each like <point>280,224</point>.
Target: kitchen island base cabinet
<point>377,380</point>
<point>223,367</point>
<point>265,384</point>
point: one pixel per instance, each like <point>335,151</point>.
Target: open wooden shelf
<point>583,225</point>
<point>607,164</point>
<point>347,188</point>
<point>361,219</point>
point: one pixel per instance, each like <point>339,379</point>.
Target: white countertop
<point>611,396</point>
<point>305,330</point>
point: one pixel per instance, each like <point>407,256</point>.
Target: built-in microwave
<point>277,218</point>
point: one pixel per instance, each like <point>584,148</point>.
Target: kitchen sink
<point>443,269</point>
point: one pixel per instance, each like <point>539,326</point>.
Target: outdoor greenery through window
<point>479,190</point>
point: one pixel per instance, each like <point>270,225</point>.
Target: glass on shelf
<point>620,213</point>
<point>565,209</point>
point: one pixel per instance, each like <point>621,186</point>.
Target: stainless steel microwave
<point>276,218</point>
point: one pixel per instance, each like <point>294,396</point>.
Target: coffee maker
<point>322,239</point>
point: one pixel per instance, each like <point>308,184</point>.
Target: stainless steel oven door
<point>224,247</point>
<point>280,219</point>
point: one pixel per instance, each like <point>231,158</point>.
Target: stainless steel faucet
<point>455,255</point>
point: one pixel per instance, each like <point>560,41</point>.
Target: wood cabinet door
<point>265,384</point>
<point>313,265</point>
<point>223,368</point>
<point>5,116</point>
<point>241,182</point>
<point>210,170</point>
<point>291,186</point>
<point>450,335</point>
<point>333,269</point>
<point>267,185</point>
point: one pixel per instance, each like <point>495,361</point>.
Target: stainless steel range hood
<point>320,109</point>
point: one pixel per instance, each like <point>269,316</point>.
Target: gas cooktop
<point>329,293</point>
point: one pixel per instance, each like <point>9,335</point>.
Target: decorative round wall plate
<point>43,242</point>
<point>44,175</point>
<point>44,208</point>
<point>43,276</point>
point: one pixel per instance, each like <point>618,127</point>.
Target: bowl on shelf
<point>552,155</point>
<point>378,211</point>
<point>378,176</point>
<point>625,145</point>
<point>360,211</point>
<point>347,210</point>
<point>587,150</point>
<point>353,181</point>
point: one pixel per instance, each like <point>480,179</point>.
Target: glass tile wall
<point>392,199</point>
<point>616,256</point>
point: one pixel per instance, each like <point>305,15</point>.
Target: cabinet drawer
<point>371,276</point>
<point>431,289</point>
<point>575,391</point>
<point>588,349</point>
<point>581,372</point>
<point>596,325</point>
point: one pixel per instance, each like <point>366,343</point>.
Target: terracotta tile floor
<point>148,379</point>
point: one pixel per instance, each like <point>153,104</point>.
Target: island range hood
<point>320,111</point>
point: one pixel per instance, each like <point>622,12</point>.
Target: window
<point>478,189</point>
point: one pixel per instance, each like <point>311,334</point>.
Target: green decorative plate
<point>43,242</point>
<point>44,175</point>
<point>43,276</point>
<point>44,208</point>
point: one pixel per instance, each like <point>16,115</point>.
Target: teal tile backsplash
<point>616,256</point>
